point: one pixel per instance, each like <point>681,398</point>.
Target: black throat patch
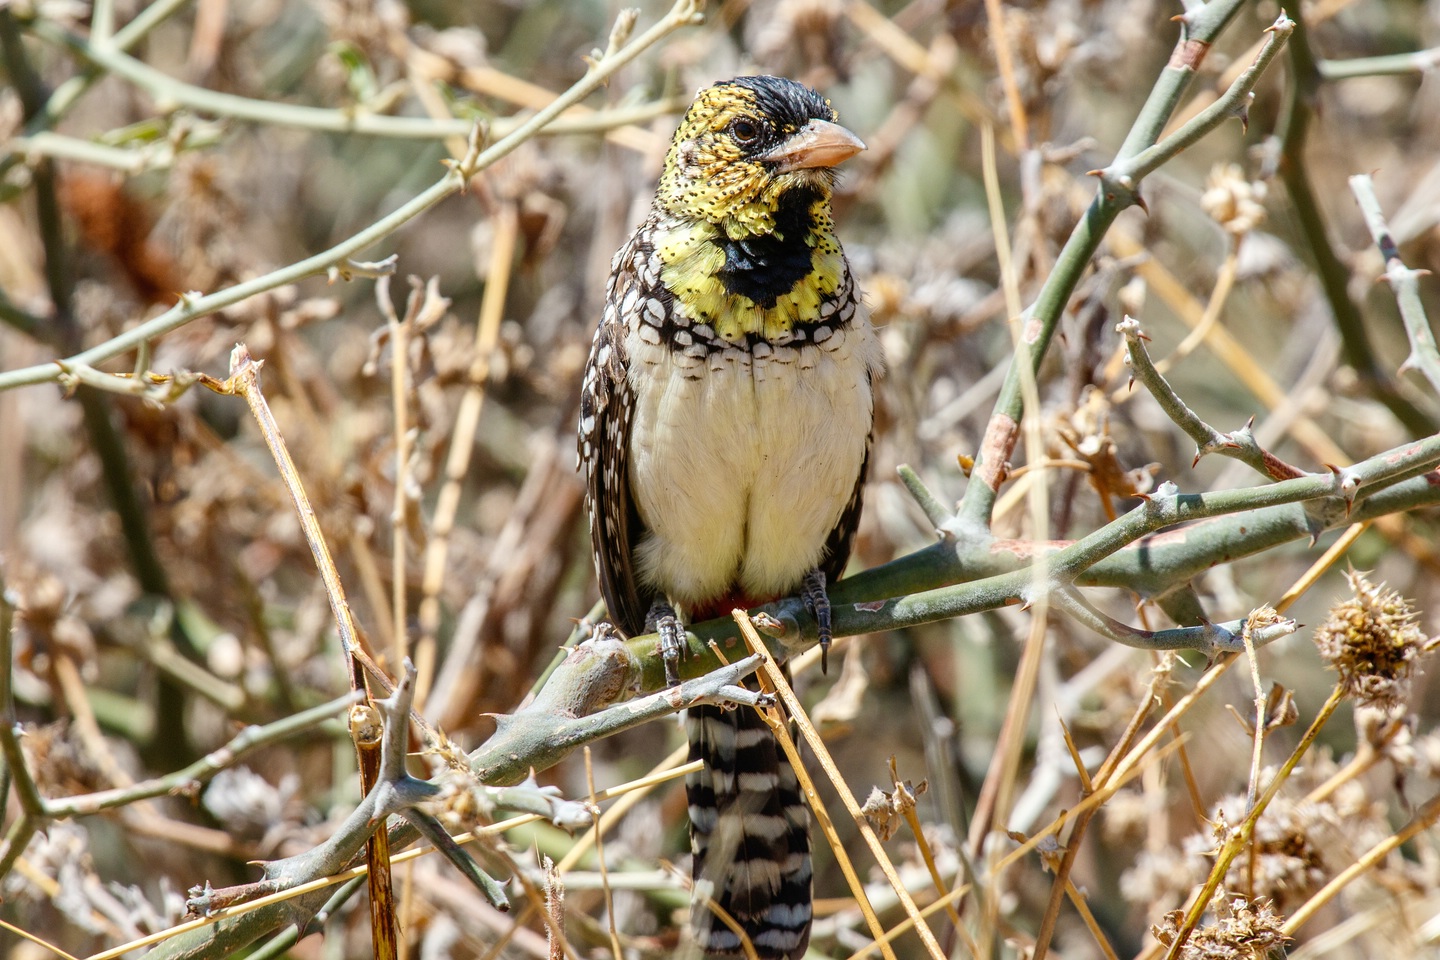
<point>765,267</point>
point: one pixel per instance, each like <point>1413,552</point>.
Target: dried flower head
<point>1168,875</point>
<point>1297,844</point>
<point>1372,641</point>
<point>1243,930</point>
<point>1390,733</point>
<point>60,764</point>
<point>250,806</point>
<point>1290,841</point>
<point>1236,204</point>
<point>886,810</point>
<point>1427,755</point>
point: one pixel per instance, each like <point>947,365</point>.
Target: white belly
<point>740,474</point>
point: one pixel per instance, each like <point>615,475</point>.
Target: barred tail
<point>750,833</point>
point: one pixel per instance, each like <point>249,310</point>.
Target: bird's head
<point>747,142</point>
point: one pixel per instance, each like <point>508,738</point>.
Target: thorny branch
<point>194,305</point>
<point>1404,283</point>
<point>1118,190</point>
<point>1157,547</point>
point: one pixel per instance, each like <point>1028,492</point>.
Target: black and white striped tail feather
<point>750,835</point>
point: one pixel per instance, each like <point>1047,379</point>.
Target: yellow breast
<point>693,256</point>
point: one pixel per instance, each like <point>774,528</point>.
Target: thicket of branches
<point>1160,410</point>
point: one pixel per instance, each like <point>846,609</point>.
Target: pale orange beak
<point>819,143</point>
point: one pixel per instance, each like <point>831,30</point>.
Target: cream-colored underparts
<point>741,474</point>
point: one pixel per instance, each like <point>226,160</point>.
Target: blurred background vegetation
<point>166,596</point>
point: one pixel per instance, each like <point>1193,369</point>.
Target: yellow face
<point>721,165</point>
<point>749,176</point>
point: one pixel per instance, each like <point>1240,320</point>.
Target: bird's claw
<point>662,620</point>
<point>817,601</point>
<point>672,641</point>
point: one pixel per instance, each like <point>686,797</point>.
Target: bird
<point>726,417</point>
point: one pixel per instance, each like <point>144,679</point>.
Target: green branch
<point>1237,444</point>
<point>1404,283</point>
<point>194,305</point>
<point>1119,189</point>
<point>1394,64</point>
<point>352,120</point>
<point>1136,551</point>
<point>1332,273</point>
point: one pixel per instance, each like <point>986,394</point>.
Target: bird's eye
<point>745,131</point>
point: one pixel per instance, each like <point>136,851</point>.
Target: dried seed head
<point>1290,843</point>
<point>1127,815</point>
<point>1390,733</point>
<point>1427,755</point>
<point>1243,930</point>
<point>61,765</point>
<point>1166,876</point>
<point>884,818</point>
<point>1236,204</point>
<point>886,810</point>
<point>1372,641</point>
<point>458,805</point>
<point>249,806</point>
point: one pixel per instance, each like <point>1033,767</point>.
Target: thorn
<point>1348,484</point>
<point>1140,202</point>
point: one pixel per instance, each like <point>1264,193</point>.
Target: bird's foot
<point>662,620</point>
<point>817,601</point>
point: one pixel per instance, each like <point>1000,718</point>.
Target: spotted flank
<point>725,421</point>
